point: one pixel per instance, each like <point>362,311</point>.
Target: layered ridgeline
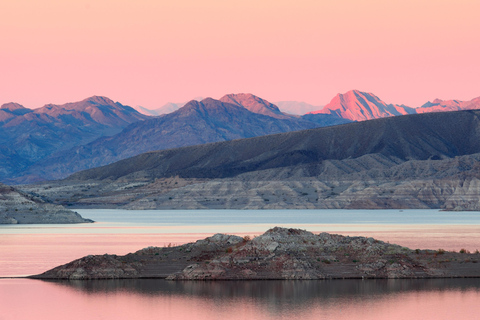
<point>28,136</point>
<point>416,161</point>
<point>279,253</point>
<point>56,140</point>
<point>449,105</point>
<point>198,122</point>
<point>17,207</point>
<point>359,106</point>
<point>356,105</point>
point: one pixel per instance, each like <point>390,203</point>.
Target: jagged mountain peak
<point>357,105</point>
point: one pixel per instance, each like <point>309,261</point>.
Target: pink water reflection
<point>32,299</point>
<point>26,253</point>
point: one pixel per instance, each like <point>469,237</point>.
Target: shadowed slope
<point>399,139</point>
<point>28,136</point>
<point>196,123</point>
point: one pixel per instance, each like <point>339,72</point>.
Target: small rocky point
<point>279,253</point>
<point>18,207</point>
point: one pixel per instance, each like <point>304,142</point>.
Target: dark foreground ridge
<point>279,253</point>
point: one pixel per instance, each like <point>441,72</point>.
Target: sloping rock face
<point>279,253</point>
<point>17,207</point>
<point>360,106</point>
<point>298,254</point>
<point>151,262</point>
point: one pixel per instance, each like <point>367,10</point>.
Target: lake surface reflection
<point>153,299</point>
<point>32,249</point>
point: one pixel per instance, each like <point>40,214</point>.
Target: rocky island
<point>19,207</point>
<point>279,253</point>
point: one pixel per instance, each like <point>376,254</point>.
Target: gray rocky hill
<point>279,253</point>
<point>17,207</point>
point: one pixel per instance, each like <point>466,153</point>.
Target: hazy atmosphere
<point>149,148</point>
<point>149,52</point>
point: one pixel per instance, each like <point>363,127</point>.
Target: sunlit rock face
<point>449,105</point>
<point>360,106</point>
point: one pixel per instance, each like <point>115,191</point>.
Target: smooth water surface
<point>33,249</point>
<point>160,299</point>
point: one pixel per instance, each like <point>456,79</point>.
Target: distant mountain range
<point>28,136</point>
<point>353,105</point>
<point>167,108</point>
<point>197,122</point>
<point>289,107</point>
<point>426,160</point>
<point>56,140</point>
<point>449,105</point>
<point>359,106</point>
<point>433,136</point>
<point>296,107</point>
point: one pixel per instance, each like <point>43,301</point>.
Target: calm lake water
<point>32,249</point>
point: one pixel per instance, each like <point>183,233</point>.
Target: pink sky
<point>149,52</point>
